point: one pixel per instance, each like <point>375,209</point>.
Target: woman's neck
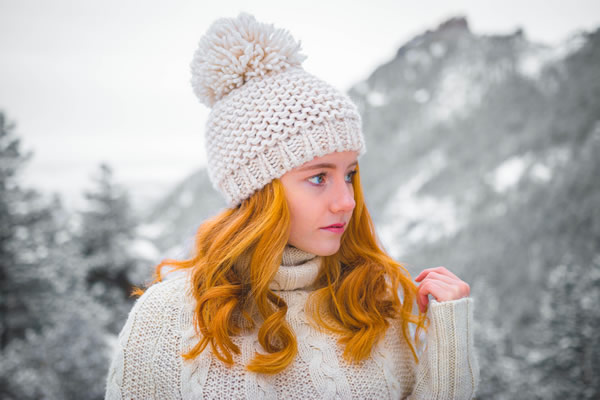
<point>294,256</point>
<point>298,270</point>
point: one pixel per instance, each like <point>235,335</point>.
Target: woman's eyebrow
<point>324,165</point>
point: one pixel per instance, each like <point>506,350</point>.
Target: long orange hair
<point>237,254</point>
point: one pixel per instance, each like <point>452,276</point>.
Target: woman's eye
<point>317,178</point>
<point>351,174</point>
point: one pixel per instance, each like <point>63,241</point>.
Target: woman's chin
<point>320,249</point>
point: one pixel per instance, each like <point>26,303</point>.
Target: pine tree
<point>53,342</point>
<point>20,212</point>
<point>65,349</point>
<point>107,233</point>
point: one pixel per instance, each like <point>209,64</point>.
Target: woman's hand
<point>441,284</point>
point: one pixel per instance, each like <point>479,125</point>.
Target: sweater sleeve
<point>448,367</point>
<point>144,363</point>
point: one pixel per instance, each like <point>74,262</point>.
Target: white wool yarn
<point>268,115</point>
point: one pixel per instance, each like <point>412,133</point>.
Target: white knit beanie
<point>268,115</point>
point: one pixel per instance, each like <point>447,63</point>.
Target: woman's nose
<point>343,197</point>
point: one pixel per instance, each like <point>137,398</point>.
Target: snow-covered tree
<point>21,211</point>
<point>106,237</point>
<point>53,342</point>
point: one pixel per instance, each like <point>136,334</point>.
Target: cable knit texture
<point>268,114</point>
<point>147,362</point>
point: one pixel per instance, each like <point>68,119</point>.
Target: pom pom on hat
<point>234,50</point>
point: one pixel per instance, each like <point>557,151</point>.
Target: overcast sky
<point>90,81</point>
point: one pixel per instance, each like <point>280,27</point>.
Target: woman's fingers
<point>440,270</point>
<point>439,277</point>
<point>435,288</point>
<point>442,286</point>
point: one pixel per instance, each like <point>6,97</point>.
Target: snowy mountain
<point>454,106</point>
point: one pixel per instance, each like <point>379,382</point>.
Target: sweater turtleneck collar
<point>298,270</point>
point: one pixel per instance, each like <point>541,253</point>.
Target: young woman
<point>288,293</point>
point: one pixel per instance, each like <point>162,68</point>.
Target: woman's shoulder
<point>171,292</point>
<point>172,286</point>
<point>161,303</point>
<point>149,340</point>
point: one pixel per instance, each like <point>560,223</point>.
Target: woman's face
<point>319,194</point>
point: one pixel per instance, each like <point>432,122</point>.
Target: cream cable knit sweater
<point>146,363</point>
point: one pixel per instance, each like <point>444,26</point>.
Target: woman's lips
<point>336,228</point>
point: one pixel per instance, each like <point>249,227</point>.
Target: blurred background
<point>482,122</point>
